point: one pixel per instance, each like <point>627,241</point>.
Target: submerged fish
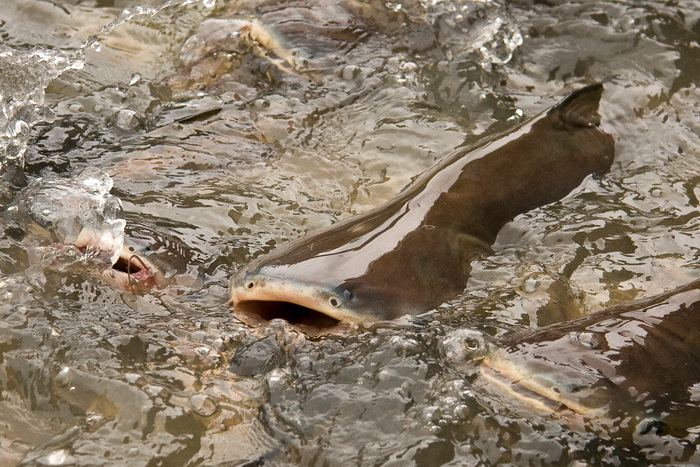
<point>252,44</point>
<point>80,211</point>
<point>414,252</point>
<point>150,259</point>
<point>639,361</point>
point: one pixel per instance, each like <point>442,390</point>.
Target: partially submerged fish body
<point>136,266</point>
<point>638,360</point>
<point>294,38</point>
<point>81,212</point>
<point>149,259</point>
<point>413,253</point>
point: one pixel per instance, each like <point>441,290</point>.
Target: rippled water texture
<point>228,128</point>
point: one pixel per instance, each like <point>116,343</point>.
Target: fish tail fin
<point>580,109</point>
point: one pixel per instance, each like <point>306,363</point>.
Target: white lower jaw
<point>305,296</point>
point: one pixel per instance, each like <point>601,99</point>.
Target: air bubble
<point>135,79</point>
<point>587,339</point>
<point>58,457</point>
<point>203,405</point>
<point>530,285</point>
<point>463,345</point>
<point>127,120</point>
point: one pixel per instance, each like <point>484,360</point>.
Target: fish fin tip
<point>580,109</point>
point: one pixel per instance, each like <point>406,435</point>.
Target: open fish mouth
<point>131,271</point>
<point>297,315</point>
<point>306,306</point>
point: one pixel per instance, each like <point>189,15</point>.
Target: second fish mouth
<point>131,271</point>
<point>130,265</point>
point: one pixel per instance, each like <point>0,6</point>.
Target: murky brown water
<point>231,127</point>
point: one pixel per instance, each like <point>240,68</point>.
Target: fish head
<point>545,387</point>
<point>631,365</point>
<point>151,258</point>
<point>361,270</point>
<point>134,270</point>
<point>147,258</point>
<point>269,291</point>
<point>558,377</point>
<point>357,286</point>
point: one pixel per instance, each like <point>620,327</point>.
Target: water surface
<point>228,128</point>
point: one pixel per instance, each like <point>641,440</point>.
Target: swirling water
<point>231,127</point>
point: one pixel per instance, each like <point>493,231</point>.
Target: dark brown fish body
<point>640,359</point>
<point>414,252</point>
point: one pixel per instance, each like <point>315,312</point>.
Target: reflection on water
<point>232,127</point>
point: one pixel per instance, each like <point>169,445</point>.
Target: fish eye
<point>249,285</point>
<point>471,344</point>
<point>334,302</point>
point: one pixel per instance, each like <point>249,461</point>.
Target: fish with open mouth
<point>152,259</point>
<point>80,211</point>
<point>414,252</point>
<point>639,361</point>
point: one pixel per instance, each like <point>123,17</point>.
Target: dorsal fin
<point>580,109</point>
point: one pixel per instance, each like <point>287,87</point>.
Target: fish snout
<point>247,286</point>
<point>309,305</point>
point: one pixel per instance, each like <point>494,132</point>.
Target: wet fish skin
<point>413,253</point>
<point>640,359</point>
<point>149,259</point>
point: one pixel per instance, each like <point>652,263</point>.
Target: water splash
<point>128,14</point>
<point>79,211</point>
<point>57,457</point>
<point>24,75</point>
<point>497,39</point>
<point>491,31</point>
